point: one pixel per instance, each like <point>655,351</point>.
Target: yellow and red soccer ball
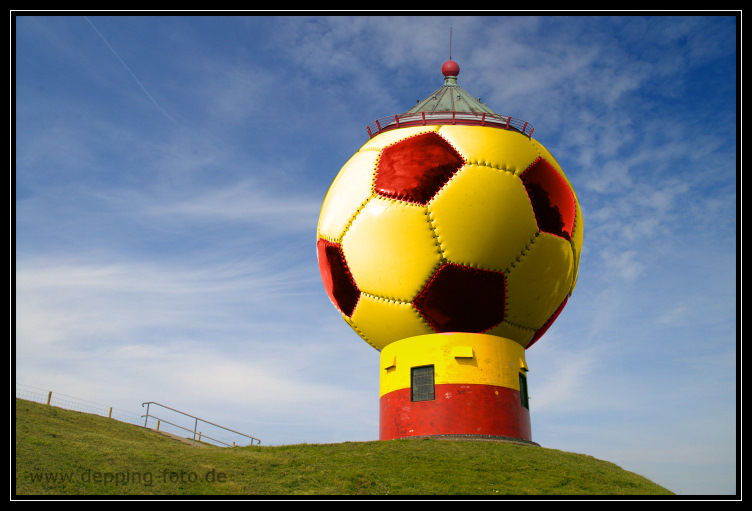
<point>450,228</point>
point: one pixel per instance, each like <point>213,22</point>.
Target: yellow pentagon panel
<point>519,334</point>
<point>539,281</point>
<point>576,242</point>
<point>382,322</point>
<point>390,249</point>
<point>351,188</point>
<point>499,148</point>
<point>483,218</point>
<point>387,138</point>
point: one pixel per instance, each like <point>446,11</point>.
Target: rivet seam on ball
<point>524,251</point>
<point>412,136</point>
<point>494,326</point>
<point>373,175</point>
<point>517,325</point>
<point>326,237</point>
<point>452,146</point>
<point>502,168</point>
<point>575,225</point>
<point>435,235</point>
<point>359,332</point>
<point>352,219</point>
<point>385,299</point>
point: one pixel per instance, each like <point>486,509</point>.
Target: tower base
<point>456,384</point>
<point>480,438</point>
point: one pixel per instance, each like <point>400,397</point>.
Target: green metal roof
<point>450,104</point>
<point>450,98</point>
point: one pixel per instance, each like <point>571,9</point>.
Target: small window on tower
<point>523,391</point>
<point>421,383</point>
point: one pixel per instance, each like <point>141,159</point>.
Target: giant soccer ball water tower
<point>450,242</point>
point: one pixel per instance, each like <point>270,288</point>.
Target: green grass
<point>60,452</point>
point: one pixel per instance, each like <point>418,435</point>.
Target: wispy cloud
<point>67,303</point>
<point>248,202</point>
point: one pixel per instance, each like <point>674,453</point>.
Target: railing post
<point>396,119</point>
<point>195,427</point>
<point>507,126</point>
<point>483,119</point>
<point>109,414</point>
<point>49,397</point>
<point>146,421</point>
<point>423,114</point>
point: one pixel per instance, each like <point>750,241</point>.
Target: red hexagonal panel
<point>462,299</point>
<point>338,281</point>
<point>551,197</point>
<point>416,168</point>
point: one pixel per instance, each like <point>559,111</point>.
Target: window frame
<point>419,390</point>
<point>524,397</point>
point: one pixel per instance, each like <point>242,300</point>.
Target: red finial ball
<point>450,68</point>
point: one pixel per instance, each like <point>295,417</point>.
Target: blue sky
<point>169,173</point>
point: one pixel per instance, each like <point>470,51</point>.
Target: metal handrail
<point>200,435</point>
<point>448,117</point>
<point>196,419</point>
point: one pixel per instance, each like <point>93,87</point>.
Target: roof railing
<point>449,117</point>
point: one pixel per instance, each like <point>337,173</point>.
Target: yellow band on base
<point>457,358</point>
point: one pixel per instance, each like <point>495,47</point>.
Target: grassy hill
<point>61,452</point>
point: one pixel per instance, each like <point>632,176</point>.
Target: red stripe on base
<point>458,409</point>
